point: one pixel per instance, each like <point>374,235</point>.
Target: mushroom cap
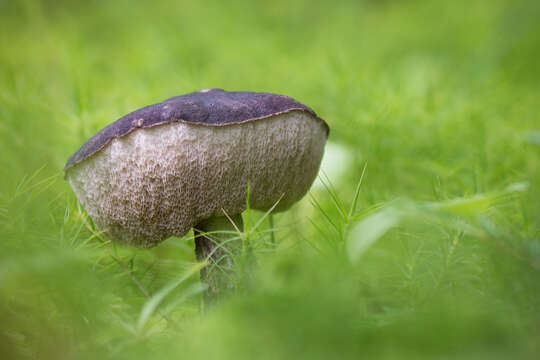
<point>208,107</point>
<point>162,169</point>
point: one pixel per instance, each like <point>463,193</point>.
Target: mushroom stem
<point>217,241</point>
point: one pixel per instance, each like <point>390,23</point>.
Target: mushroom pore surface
<point>161,181</point>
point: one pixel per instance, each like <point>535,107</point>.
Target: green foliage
<point>426,246</point>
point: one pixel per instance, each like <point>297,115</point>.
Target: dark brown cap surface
<point>213,107</point>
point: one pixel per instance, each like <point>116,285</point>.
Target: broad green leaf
<point>364,234</point>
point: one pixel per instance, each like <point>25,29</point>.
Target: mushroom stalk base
<point>217,241</point>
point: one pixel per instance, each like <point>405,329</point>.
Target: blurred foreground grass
<point>437,100</point>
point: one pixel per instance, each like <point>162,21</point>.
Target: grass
<point>433,104</point>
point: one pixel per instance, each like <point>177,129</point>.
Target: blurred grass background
<point>438,100</point>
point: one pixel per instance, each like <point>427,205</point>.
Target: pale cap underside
<point>151,184</point>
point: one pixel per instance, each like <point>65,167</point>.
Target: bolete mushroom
<point>186,163</point>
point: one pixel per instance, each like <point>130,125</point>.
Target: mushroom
<point>187,163</point>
